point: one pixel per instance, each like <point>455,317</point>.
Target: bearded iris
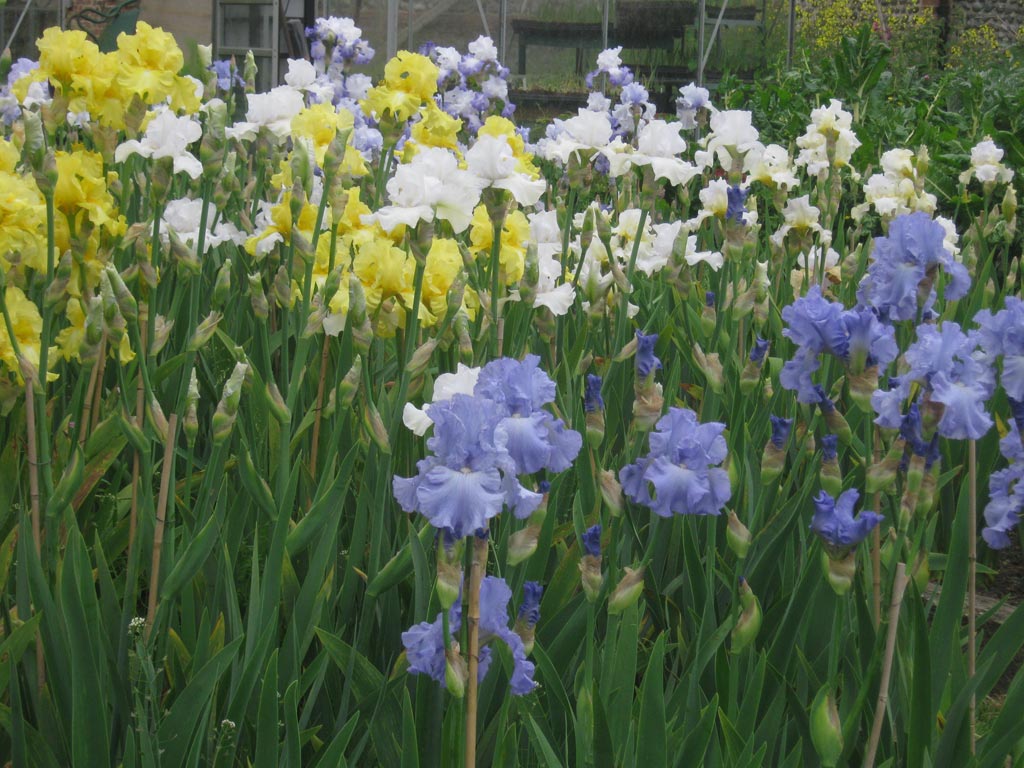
<point>682,468</point>
<point>835,524</point>
<point>482,442</point>
<point>425,644</point>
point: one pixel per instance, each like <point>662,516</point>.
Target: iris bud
<point>627,592</point>
<point>522,544</point>
<point>456,673</point>
<point>749,623</point>
<point>737,535</point>
<point>826,729</point>
<point>840,572</point>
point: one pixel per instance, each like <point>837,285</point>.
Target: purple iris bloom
<point>829,444</point>
<point>646,361</point>
<point>1006,492</point>
<point>634,94</point>
<point>944,360</point>
<point>835,524</point>
<point>869,341</point>
<point>781,428</point>
<point>530,435</point>
<point>592,400</point>
<point>736,206</point>
<point>817,324</point>
<point>1002,334</point>
<point>759,350</point>
<point>529,611</point>
<point>425,644</point>
<point>462,485</point>
<point>592,541</point>
<point>899,282</point>
<point>682,468</point>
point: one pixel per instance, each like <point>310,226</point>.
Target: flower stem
<point>33,485</point>
<point>898,588</point>
<point>476,577</point>
<point>972,572</point>
<point>166,470</point>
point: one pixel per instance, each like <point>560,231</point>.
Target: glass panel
<point>245,26</point>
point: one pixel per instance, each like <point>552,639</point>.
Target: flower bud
<point>227,408</point>
<point>862,386</point>
<point>708,317</point>
<point>282,288</point>
<point>249,72</point>
<point>157,420</point>
<point>840,572</point>
<point>882,474</point>
<point>627,591</point>
<point>522,544</point>
<point>421,357</point>
<point>647,405</point>
<point>161,333</point>
<point>260,306</point>
<point>375,428</point>
<point>711,366</point>
<point>749,623</point>
<point>826,729</point>
<point>456,673</point>
<point>350,384</point>
<point>204,331</point>
<point>222,285</point>
<point>275,403</point>
<point>611,492</point>
<point>737,535</point>
<point>190,425</point>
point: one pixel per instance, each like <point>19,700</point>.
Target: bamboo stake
<point>972,572</point>
<point>33,485</point>
<point>476,577</point>
<point>158,531</point>
<point>898,588</point>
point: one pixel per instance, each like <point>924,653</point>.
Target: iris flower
<point>835,524</point>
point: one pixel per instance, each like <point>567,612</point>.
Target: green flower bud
<point>591,577</point>
<point>737,535</point>
<point>773,460</point>
<point>826,729</point>
<point>190,425</point>
<point>862,386</point>
<point>282,288</point>
<point>882,474</point>
<point>449,582</point>
<point>375,428</point>
<point>222,285</point>
<point>627,591</point>
<point>840,572</point>
<point>611,492</point>
<point>749,623</point>
<point>522,544</point>
<point>157,420</point>
<point>350,384</point>
<point>711,366</point>
<point>456,673</point>
<point>831,477</point>
<point>275,403</point>
<point>204,331</point>
<point>227,409</point>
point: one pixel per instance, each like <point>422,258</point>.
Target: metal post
<point>604,24</point>
<point>392,32</point>
<point>502,29</point>
<point>408,10</point>
<point>702,7</point>
<point>17,25</point>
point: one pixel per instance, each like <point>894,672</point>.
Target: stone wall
<point>1004,17</point>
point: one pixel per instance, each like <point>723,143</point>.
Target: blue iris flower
<point>1006,492</point>
<point>835,524</point>
<point>904,266</point>
<point>646,361</point>
<point>425,646</point>
<point>781,428</point>
<point>682,468</point>
<point>829,445</point>
<point>592,400</point>
<point>482,443</point>
<point>736,210</point>
<point>1002,334</point>
<point>529,611</point>
<point>592,540</point>
<point>759,350</point>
